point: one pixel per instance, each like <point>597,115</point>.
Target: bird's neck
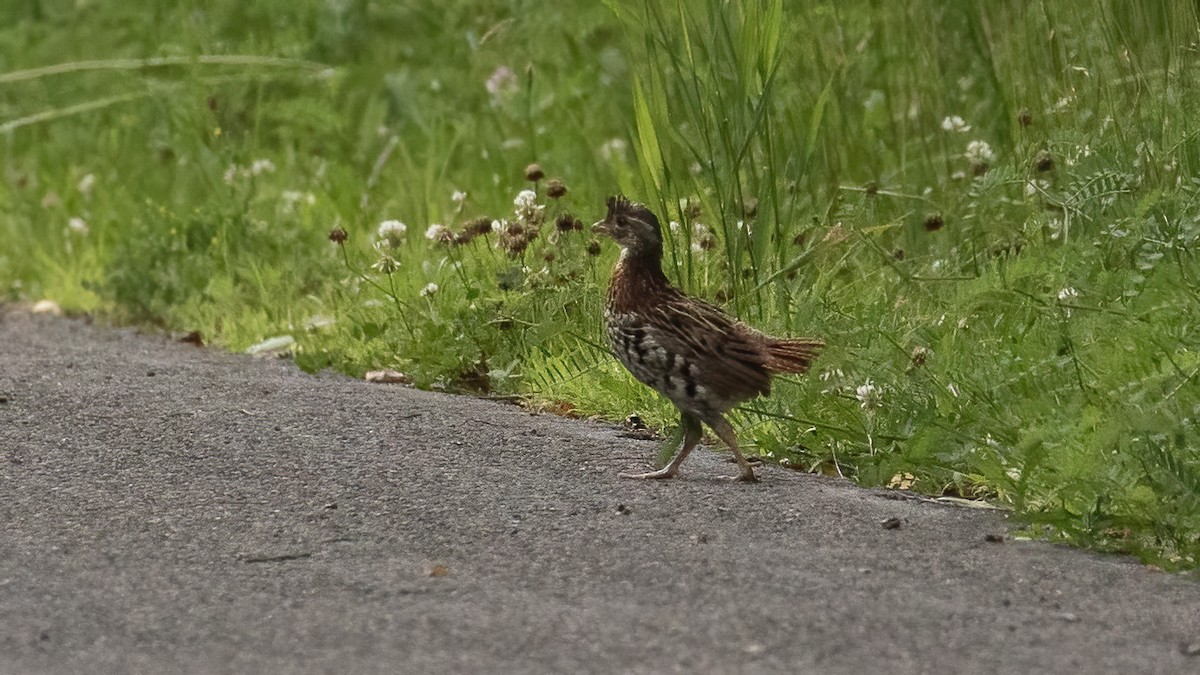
<point>637,277</point>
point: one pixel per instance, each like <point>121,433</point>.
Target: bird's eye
<point>621,222</point>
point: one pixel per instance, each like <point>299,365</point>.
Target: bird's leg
<point>724,431</point>
<point>691,436</point>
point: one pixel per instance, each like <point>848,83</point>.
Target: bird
<point>702,359</point>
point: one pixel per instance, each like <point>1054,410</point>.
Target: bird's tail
<point>792,355</point>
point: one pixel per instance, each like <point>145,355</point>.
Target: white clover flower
<point>292,197</point>
<point>77,225</point>
<point>429,290</point>
<point>458,197</point>
<point>867,395</point>
<point>438,232</point>
<point>528,210</point>
<point>697,246</point>
<point>1067,294</point>
<point>956,124</point>
<point>979,152</point>
<point>613,149</point>
<point>86,184</point>
<point>392,232</point>
<point>231,174</point>
<point>699,229</point>
<point>502,83</point>
<point>499,226</point>
<point>261,166</point>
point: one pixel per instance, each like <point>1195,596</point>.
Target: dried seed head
<point>706,242</point>
<point>534,173</point>
<point>934,222</point>
<point>337,235</point>
<point>478,227</point>
<point>1044,162</point>
<point>898,254</point>
<point>1024,117</point>
<point>566,223</point>
<point>593,248</point>
<point>691,208</point>
<point>919,356</point>
<point>555,188</point>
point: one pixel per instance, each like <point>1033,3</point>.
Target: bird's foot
<point>666,472</point>
<point>746,476</point>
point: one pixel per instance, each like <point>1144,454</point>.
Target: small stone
<point>1069,617</point>
<point>387,376</point>
<point>1190,648</point>
<point>621,508</point>
<point>994,538</point>
<point>892,523</point>
<point>439,571</point>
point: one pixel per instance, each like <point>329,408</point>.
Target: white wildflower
<point>438,232</point>
<point>867,395</point>
<point>261,166</point>
<point>293,197</point>
<point>979,152</point>
<point>77,225</point>
<point>956,124</point>
<point>458,197</point>
<point>528,210</point>
<point>1067,294</point>
<point>502,83</point>
<point>499,226</point>
<point>429,290</point>
<point>392,232</point>
<point>613,149</point>
<point>86,184</point>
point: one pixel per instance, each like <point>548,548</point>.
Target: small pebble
<point>892,523</point>
<point>994,538</point>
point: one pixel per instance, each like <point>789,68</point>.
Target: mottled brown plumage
<point>699,357</point>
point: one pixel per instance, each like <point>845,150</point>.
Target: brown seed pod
<point>337,235</point>
<point>934,222</point>
<point>555,188</point>
<point>534,173</point>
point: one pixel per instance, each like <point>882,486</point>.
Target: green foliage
<point>987,209</point>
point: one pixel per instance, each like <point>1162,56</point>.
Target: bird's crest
<point>618,204</point>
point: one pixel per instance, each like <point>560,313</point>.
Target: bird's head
<point>631,225</point>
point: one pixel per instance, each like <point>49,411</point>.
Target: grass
<point>1013,321</point>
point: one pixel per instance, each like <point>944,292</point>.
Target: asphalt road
<point>166,508</point>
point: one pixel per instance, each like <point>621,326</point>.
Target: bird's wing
<point>725,353</point>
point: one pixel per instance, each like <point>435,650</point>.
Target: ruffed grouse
<point>698,356</point>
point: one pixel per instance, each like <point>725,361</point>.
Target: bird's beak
<point>601,227</point>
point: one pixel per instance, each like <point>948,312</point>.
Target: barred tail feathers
<point>792,355</point>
